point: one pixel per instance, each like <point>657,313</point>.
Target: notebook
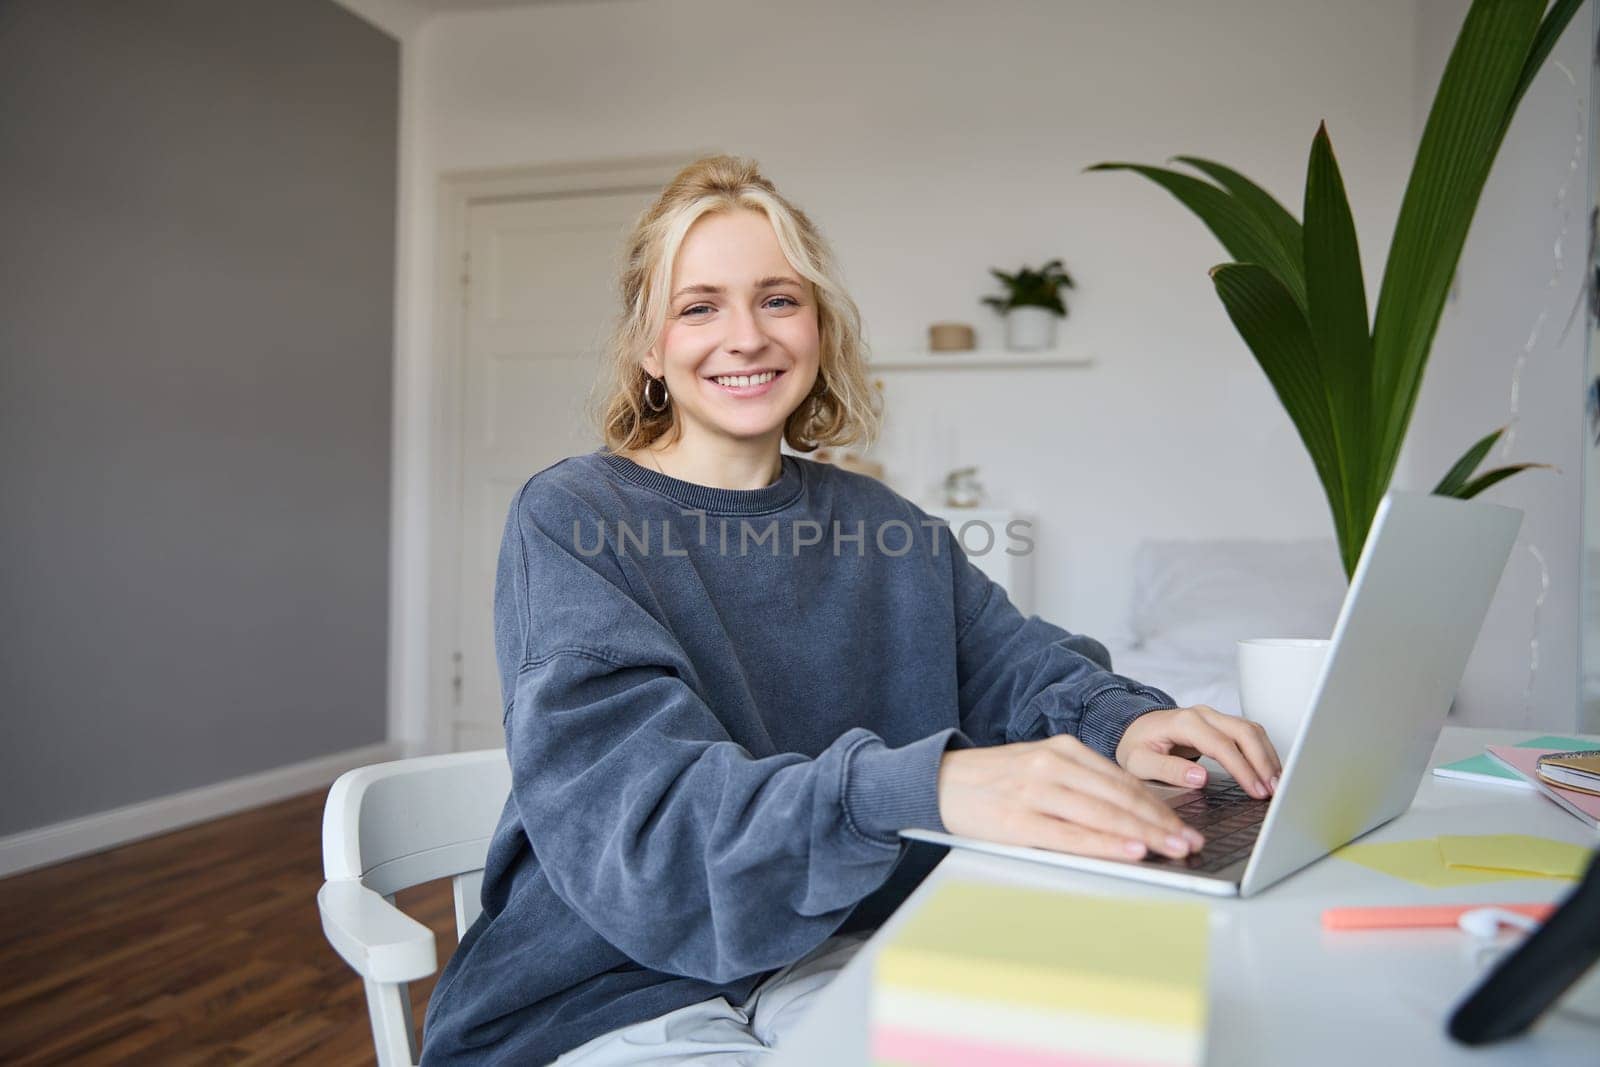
<point>1482,769</point>
<point>1578,770</point>
<point>1525,761</point>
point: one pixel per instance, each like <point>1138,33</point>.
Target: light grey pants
<point>714,1031</point>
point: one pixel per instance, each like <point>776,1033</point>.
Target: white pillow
<point>1195,599</point>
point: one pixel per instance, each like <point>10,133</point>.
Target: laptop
<point>1421,589</point>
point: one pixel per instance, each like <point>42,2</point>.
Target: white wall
<point>933,140</point>
<point>1503,291</point>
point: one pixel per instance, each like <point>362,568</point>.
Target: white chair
<point>388,827</point>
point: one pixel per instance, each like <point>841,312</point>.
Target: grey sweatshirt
<point>720,708</point>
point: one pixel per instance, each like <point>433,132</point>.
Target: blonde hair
<point>842,407</point>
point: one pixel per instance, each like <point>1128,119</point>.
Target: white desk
<point>1284,991</point>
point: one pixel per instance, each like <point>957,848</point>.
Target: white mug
<point>1277,677</point>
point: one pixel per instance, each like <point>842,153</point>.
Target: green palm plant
<point>1295,290</point>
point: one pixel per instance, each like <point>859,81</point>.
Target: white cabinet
<point>1000,542</point>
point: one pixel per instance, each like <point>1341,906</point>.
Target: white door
<point>539,300</point>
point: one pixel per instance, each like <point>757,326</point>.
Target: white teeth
<point>744,380</point>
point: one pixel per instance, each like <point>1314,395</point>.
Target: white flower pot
<point>1029,328</point>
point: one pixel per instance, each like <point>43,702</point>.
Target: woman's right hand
<point>1057,794</point>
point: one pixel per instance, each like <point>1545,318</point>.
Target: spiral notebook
<point>1578,770</point>
<point>1525,761</point>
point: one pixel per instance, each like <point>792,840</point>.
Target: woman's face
<point>737,309</point>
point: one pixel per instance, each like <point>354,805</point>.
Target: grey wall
<point>197,218</point>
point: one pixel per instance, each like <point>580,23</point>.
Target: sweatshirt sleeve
<point>667,837</point>
<point>1023,679</point>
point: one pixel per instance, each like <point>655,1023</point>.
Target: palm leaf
<point>1273,326</point>
<point>1488,478</point>
<point>1550,30</point>
<point>1337,316</point>
<point>1246,237</point>
<point>1463,132</point>
<point>1258,200</point>
<point>1457,475</point>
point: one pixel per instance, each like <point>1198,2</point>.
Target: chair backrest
<point>394,825</point>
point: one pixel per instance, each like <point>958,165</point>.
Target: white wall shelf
<point>995,359</point>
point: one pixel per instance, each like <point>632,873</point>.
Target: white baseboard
<point>108,829</point>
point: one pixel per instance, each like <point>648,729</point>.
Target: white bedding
<point>1188,679</point>
<point>1192,601</point>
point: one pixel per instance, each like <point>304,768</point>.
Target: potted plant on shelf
<point>1295,291</point>
<point>1032,305</point>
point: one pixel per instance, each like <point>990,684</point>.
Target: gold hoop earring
<point>666,397</point>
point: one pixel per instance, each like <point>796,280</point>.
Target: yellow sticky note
<point>1421,862</point>
<point>1520,853</point>
<point>1045,950</point>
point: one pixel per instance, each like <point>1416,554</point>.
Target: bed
<point>1192,600</point>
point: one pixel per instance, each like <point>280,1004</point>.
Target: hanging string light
<point>1558,266</point>
<point>1561,204</point>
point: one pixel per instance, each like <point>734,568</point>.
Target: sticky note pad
<point>1514,852</point>
<point>1419,862</point>
<point>997,974</point>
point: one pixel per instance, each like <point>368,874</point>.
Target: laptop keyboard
<point>1229,818</point>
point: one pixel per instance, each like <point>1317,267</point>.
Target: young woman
<point>732,675</point>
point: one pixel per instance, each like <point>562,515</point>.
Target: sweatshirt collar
<point>708,498</point>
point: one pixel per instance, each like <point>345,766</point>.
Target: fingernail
<point>1196,839</point>
<point>1177,845</point>
<point>1195,776</point>
<point>1134,849</point>
<point>1259,791</point>
<point>1273,785</point>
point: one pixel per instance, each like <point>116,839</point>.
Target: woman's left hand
<point>1161,745</point>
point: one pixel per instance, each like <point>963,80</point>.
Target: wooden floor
<point>198,947</point>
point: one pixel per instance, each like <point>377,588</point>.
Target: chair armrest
<point>378,940</point>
